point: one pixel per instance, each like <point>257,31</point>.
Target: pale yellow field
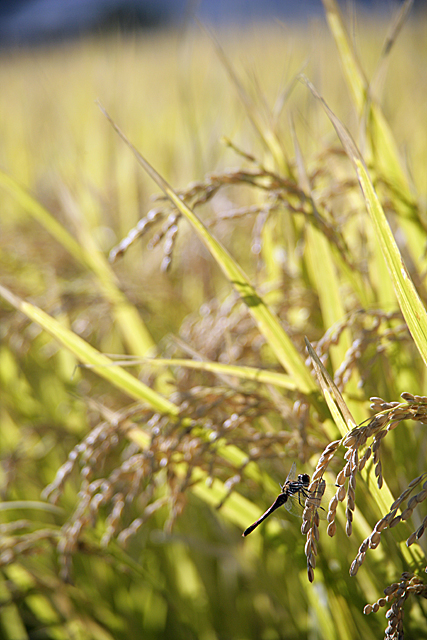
<point>296,221</point>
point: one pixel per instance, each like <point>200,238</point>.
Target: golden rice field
<point>267,308</point>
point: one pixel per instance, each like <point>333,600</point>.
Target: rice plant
<point>165,364</point>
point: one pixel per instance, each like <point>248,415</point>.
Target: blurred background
<point>40,21</point>
<point>203,113</point>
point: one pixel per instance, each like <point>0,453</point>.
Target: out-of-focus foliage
<point>151,479</point>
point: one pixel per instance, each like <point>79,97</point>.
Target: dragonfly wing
<point>302,497</point>
<point>292,474</point>
<point>294,507</point>
<point>318,499</point>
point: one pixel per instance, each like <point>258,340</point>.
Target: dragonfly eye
<point>304,478</point>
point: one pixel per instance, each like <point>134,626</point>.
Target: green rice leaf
<point>251,374</point>
<point>30,504</point>
<point>87,354</point>
<point>39,213</point>
<point>133,330</point>
<point>383,144</point>
<point>323,269</point>
<point>336,403</point>
<point>409,301</point>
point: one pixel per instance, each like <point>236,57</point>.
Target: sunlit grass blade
<point>350,64</point>
<point>133,330</point>
<point>396,27</point>
<point>383,144</point>
<point>409,301</point>
<point>322,266</point>
<point>325,621</point>
<point>267,322</point>
<point>320,258</point>
<point>336,403</point>
<point>30,504</point>
<point>87,354</point>
<point>39,213</point>
<point>250,374</point>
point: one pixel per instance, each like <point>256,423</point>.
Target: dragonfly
<point>293,496</point>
